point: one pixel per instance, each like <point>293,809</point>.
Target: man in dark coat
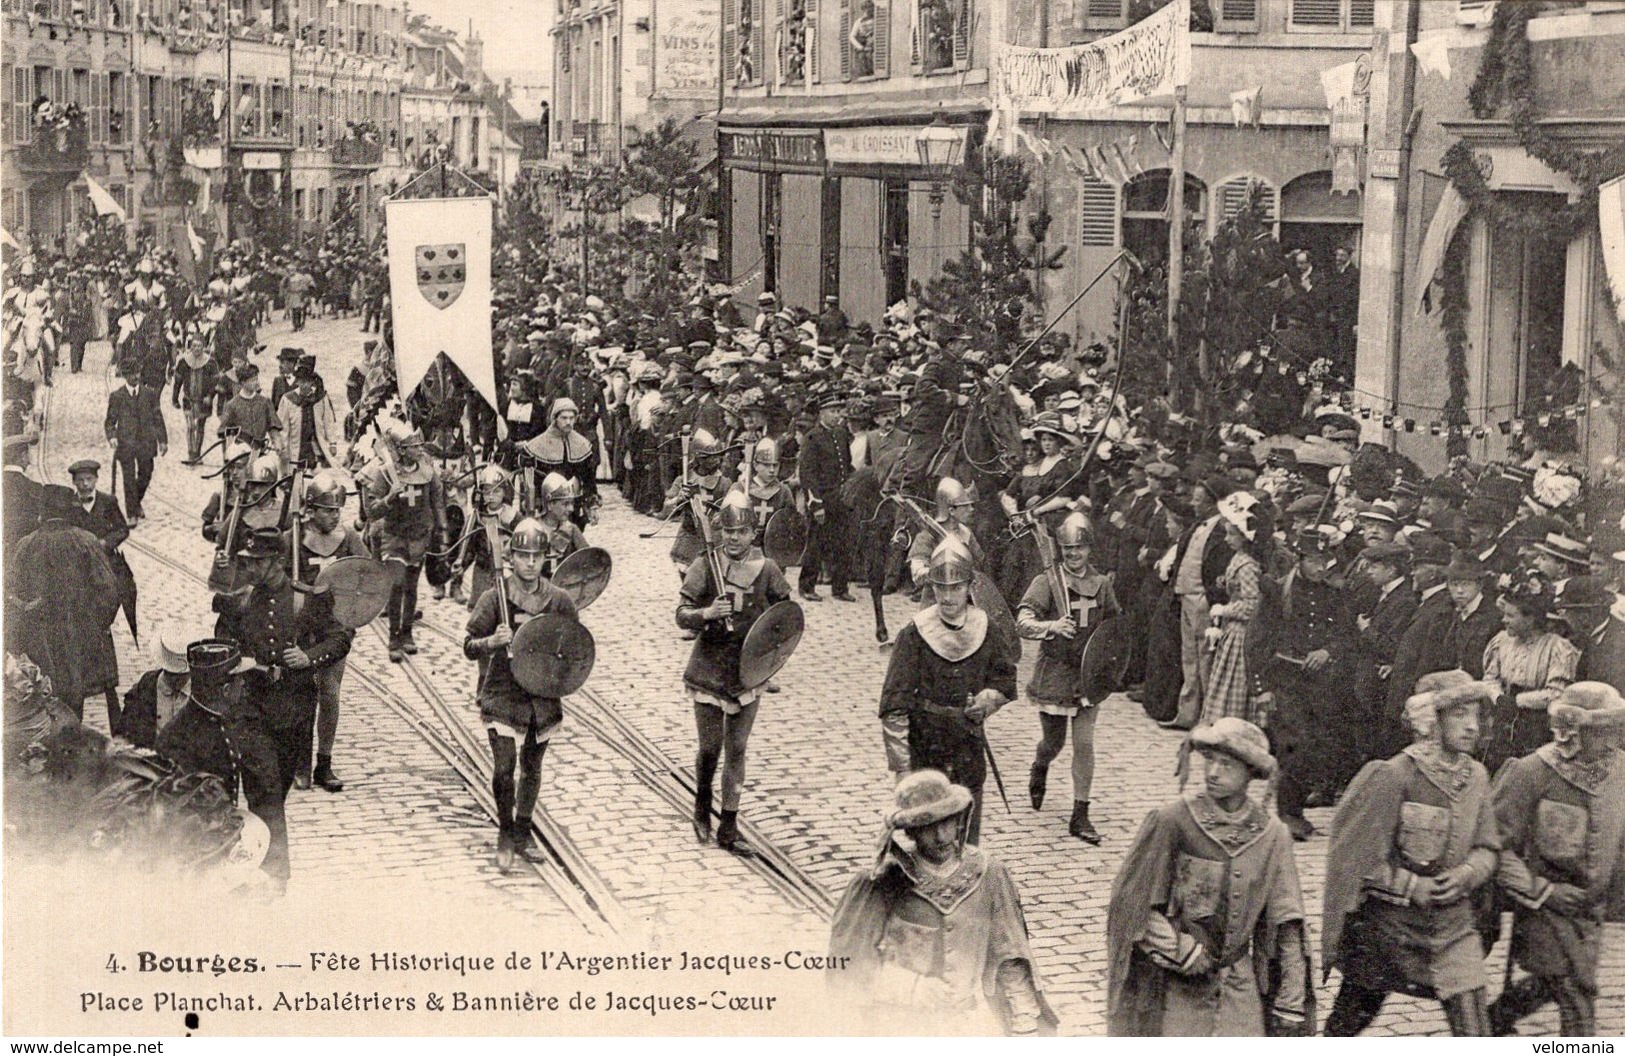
<point>824,465</point>
<point>950,670</point>
<point>1424,647</point>
<point>1596,622</point>
<point>20,494</point>
<point>66,596</point>
<point>288,630</point>
<point>97,512</point>
<point>1477,617</point>
<point>135,428</point>
<point>1380,627</point>
<point>935,397</point>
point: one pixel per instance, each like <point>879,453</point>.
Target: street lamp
<point>939,145</point>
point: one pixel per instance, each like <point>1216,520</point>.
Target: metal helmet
<point>1075,531</point>
<point>767,452</point>
<point>266,469</point>
<point>736,511</point>
<point>701,443</point>
<point>951,563</point>
<point>557,487</point>
<point>529,537</point>
<point>236,451</point>
<point>491,480</point>
<point>325,490</point>
<point>398,436</point>
<point>951,493</point>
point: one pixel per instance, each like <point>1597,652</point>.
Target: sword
<point>992,763</point>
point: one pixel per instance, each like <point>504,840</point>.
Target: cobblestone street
<point>817,779</point>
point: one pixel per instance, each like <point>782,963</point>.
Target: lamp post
<point>939,145</point>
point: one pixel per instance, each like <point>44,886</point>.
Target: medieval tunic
<point>766,500</point>
<point>926,540</point>
<point>562,541</point>
<point>1200,878</point>
<point>690,542</point>
<point>935,672</point>
<point>571,455</point>
<point>755,583</point>
<point>1561,821</point>
<point>1057,682</point>
<point>1415,815</point>
<point>405,505</point>
<point>503,701</point>
<point>934,952</point>
<point>477,551</point>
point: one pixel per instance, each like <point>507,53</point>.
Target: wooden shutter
<point>758,46</point>
<point>1318,13</point>
<point>1097,213</point>
<point>98,97</point>
<point>810,43</point>
<point>846,40</point>
<point>1105,13</point>
<point>730,57</point>
<point>1362,13</point>
<point>1238,14</point>
<point>1233,196</point>
<point>781,44</point>
<point>8,106</point>
<point>882,38</point>
<point>962,26</point>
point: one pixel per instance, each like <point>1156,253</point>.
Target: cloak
<point>69,596</point>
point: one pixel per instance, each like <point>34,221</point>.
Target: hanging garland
<point>1506,76</point>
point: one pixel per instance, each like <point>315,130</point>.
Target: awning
<point>702,132</point>
<point>1611,224</point>
<point>1450,212</point>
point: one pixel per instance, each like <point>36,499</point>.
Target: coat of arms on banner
<point>440,272</point>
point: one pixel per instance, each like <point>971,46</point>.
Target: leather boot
<point>728,837</point>
<point>1037,782</point>
<point>1080,826</point>
<point>325,776</point>
<point>702,815</point>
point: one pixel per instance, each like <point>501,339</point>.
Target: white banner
<point>884,145</point>
<point>1146,60</point>
<point>440,288</point>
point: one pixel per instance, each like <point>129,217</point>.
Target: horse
<point>985,452</point>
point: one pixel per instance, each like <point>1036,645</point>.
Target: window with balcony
<point>797,36</point>
<point>865,39</point>
<point>743,34</point>
<point>1332,16</point>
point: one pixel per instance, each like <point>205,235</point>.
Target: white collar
<point>1473,605</point>
<point>1428,593</point>
<point>1389,589</point>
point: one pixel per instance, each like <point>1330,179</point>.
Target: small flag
<point>1247,106</point>
<point>195,242</point>
<point>104,203</point>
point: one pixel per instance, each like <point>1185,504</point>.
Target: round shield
<point>1105,659</point>
<point>985,595</point>
<point>439,568</point>
<point>552,655</point>
<point>584,575</point>
<point>769,643</point>
<point>360,587</point>
<point>785,537</point>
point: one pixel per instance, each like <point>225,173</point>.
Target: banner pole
<point>1176,239</point>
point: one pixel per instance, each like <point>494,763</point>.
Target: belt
<point>955,710</point>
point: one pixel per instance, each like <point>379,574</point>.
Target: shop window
<point>1332,16</point>
<point>1097,213</point>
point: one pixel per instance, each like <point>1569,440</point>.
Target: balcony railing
<point>357,154</point>
<point>590,137</point>
<point>64,151</point>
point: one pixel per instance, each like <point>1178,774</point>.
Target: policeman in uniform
<point>950,670</point>
<point>721,615</point>
<point>205,734</point>
<point>323,540</point>
<point>288,630</point>
<point>404,499</point>
<point>517,722</point>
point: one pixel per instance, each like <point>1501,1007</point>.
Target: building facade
<point>620,67</point>
<point>1538,301</point>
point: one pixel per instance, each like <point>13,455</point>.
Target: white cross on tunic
<point>411,493</point>
<point>317,562</point>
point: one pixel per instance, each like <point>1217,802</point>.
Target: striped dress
<point>1228,692</point>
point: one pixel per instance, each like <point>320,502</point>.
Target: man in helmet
<point>704,479</point>
<point>234,476</point>
<point>824,464</point>
<point>556,500</point>
<point>404,499</point>
<point>564,451</point>
<point>517,722</point>
<point>955,505</point>
<point>289,641</point>
<point>949,671</point>
<point>1063,625</point>
<point>759,473</point>
<point>721,615</point>
<point>323,540</point>
<point>493,505</point>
